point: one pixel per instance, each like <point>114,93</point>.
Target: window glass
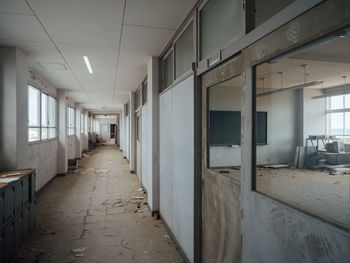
<point>33,114</point>
<point>52,112</point>
<point>184,52</point>
<point>337,102</point>
<point>307,132</point>
<point>71,121</point>
<point>168,70</point>
<point>220,21</point>
<point>144,92</point>
<point>264,11</point>
<point>34,106</point>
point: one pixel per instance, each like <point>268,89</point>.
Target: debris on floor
<point>137,198</point>
<point>78,252</point>
<point>47,232</point>
<point>86,155</point>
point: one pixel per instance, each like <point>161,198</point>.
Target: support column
<point>62,151</point>
<point>78,137</point>
<point>153,132</point>
<point>132,133</point>
<point>13,109</point>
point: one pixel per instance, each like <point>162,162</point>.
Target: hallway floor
<point>91,215</point>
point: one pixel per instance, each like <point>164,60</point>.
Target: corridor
<point>91,215</point>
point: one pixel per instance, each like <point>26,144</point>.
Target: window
<point>82,123</point>
<point>33,114</point>
<point>338,117</point>
<point>168,70</point>
<point>41,115</point>
<point>144,92</point>
<point>184,52</point>
<point>138,98</point>
<point>220,21</point>
<point>306,161</point>
<point>71,121</point>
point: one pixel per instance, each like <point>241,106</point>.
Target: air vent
<point>52,66</point>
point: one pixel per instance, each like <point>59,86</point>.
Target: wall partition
<point>176,158</point>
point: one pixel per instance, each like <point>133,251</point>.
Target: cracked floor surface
<point>90,215</point>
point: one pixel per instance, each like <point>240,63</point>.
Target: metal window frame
<point>40,127</point>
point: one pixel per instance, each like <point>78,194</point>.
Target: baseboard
<point>175,240</point>
<point>132,171</point>
<point>61,174</point>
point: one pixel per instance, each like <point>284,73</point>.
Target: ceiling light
<point>88,65</point>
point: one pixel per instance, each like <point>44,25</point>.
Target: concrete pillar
<point>13,109</point>
<point>62,150</point>
<point>132,137</point>
<point>153,132</point>
<point>78,137</point>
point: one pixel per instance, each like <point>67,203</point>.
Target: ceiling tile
<point>102,76</point>
<point>142,38</point>
<point>88,22</point>
<point>157,13</point>
<point>98,56</point>
<point>15,7</point>
<point>130,78</point>
<point>22,28</point>
<point>135,58</point>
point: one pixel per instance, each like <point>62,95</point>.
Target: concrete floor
<point>91,216</point>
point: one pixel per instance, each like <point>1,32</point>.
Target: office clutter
<point>323,152</point>
<point>17,210</point>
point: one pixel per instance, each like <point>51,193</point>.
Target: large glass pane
<point>220,21</point>
<point>44,114</point>
<point>184,52</point>
<point>168,70</point>
<point>52,133</point>
<point>224,121</point>
<point>33,134</point>
<point>336,123</point>
<point>266,9</point>
<point>44,133</point>
<point>52,112</point>
<point>33,106</point>
<point>337,102</point>
<point>347,101</point>
<point>306,160</point>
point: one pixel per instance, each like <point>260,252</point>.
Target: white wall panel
<point>176,135</point>
<point>144,147</point>
<point>166,156</point>
<point>42,156</point>
<point>71,147</point>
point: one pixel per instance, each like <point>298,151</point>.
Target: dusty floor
<point>91,216</point>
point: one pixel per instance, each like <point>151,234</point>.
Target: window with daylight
<point>305,162</point>
<point>41,115</point>
<point>338,117</point>
<point>82,123</point>
<point>71,121</point>
<point>33,114</point>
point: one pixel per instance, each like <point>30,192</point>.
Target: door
<point>138,144</point>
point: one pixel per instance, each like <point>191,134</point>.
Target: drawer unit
<point>25,222</point>
<point>9,200</point>
<point>26,190</point>
<point>18,196</point>
<point>17,211</point>
<point>2,210</point>
<point>18,231</point>
<point>9,241</point>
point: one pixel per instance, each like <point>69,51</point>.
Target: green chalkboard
<point>225,128</point>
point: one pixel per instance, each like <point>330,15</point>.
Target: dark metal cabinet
<point>17,212</point>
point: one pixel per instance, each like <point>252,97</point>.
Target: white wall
<point>126,137</point>
<point>176,158</point>
<point>145,180</point>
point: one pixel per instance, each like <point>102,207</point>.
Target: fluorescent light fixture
<point>88,65</point>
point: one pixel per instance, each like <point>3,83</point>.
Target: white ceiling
<point>118,36</point>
